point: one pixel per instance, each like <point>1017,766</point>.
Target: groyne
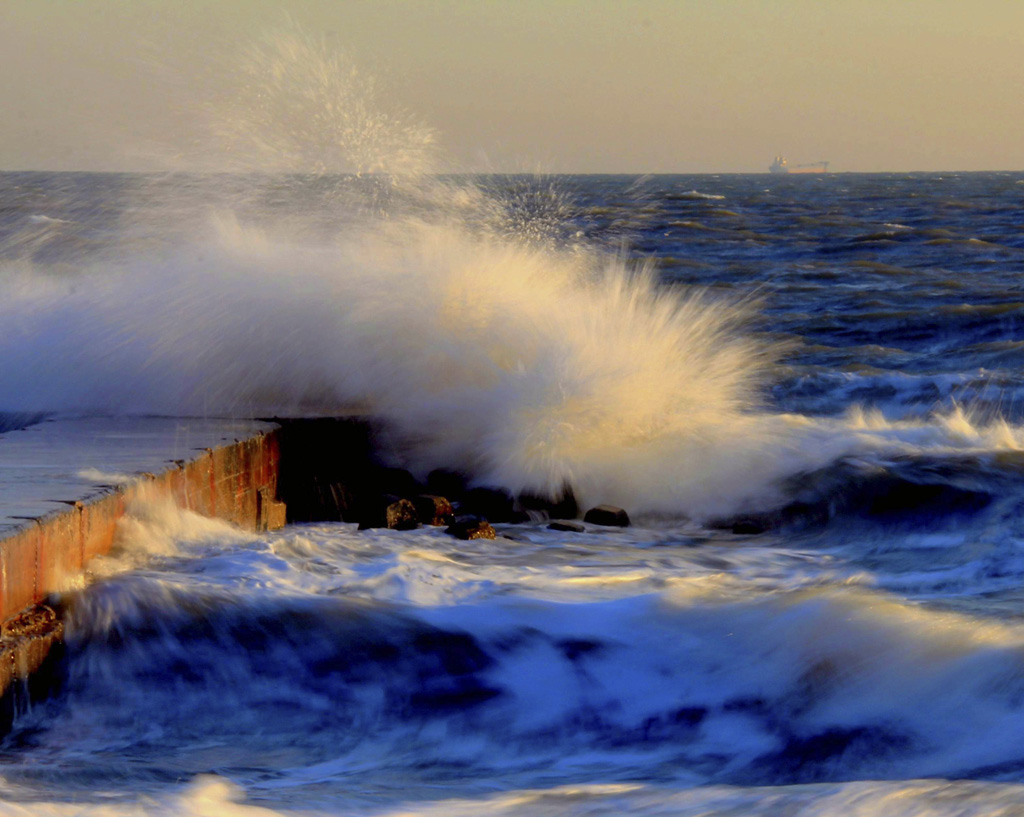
<point>64,485</point>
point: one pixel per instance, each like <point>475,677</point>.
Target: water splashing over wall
<point>465,315</point>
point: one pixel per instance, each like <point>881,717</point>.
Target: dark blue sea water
<point>805,390</point>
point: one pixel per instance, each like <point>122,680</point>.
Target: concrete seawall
<point>53,520</point>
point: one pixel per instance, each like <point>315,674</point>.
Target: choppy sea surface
<point>817,611</point>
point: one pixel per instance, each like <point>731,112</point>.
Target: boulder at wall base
<point>434,510</point>
<point>471,527</point>
<point>607,515</point>
<point>401,515</point>
<point>388,511</point>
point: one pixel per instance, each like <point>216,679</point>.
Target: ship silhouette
<point>780,165</point>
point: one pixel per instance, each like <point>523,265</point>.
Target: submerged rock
<point>568,527</point>
<point>607,515</point>
<point>471,527</point>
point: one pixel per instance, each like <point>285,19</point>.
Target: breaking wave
<point>453,310</point>
<point>467,315</point>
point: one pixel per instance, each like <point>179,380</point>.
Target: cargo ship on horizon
<point>780,165</point>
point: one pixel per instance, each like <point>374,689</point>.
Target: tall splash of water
<point>298,106</point>
<point>458,317</point>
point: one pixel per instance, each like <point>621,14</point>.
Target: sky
<point>573,86</point>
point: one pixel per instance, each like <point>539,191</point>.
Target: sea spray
<point>529,367</point>
<point>330,270</point>
<point>483,332</point>
<point>286,101</point>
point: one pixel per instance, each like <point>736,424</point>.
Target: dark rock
<point>563,506</point>
<point>434,510</point>
<point>607,515</point>
<point>401,515</point>
<point>568,527</point>
<point>471,527</point>
<point>389,511</point>
<point>494,504</point>
<point>446,483</point>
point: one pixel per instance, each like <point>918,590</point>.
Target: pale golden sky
<point>553,85</point>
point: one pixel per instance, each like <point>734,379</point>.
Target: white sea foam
<point>153,525</point>
<point>956,431</point>
<point>709,662</point>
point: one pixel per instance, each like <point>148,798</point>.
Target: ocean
<point>806,392</point>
